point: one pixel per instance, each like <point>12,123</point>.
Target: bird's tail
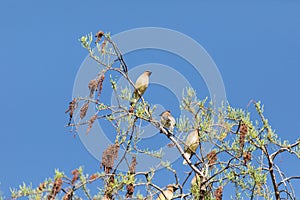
<point>188,155</point>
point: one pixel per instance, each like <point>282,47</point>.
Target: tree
<point>243,156</point>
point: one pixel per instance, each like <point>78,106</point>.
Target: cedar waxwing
<point>141,85</point>
<point>167,120</point>
<point>191,145</point>
<point>105,198</point>
<point>169,192</point>
<point>195,186</point>
<point>196,180</point>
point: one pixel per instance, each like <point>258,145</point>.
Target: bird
<point>168,193</point>
<point>196,180</point>
<point>191,145</point>
<point>140,85</point>
<point>197,188</point>
<point>167,120</point>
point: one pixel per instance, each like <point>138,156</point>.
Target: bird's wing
<point>172,120</point>
<point>192,142</point>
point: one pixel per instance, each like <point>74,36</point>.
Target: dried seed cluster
<point>93,177</point>
<point>219,193</point>
<point>247,156</point>
<point>243,133</point>
<point>91,122</point>
<point>93,86</point>
<point>100,84</point>
<point>83,110</point>
<point>99,36</point>
<point>75,173</point>
<point>109,156</point>
<point>70,110</point>
<point>41,187</point>
<point>68,195</point>
<point>132,166</point>
<point>130,190</point>
<point>212,157</point>
<point>55,189</point>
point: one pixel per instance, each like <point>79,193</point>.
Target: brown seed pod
<point>100,83</point>
<point>109,156</point>
<point>93,177</point>
<point>171,145</point>
<point>219,193</point>
<point>130,190</point>
<point>70,110</point>
<point>57,185</point>
<point>75,173</point>
<point>242,142</point>
<point>99,36</point>
<point>68,195</point>
<point>244,129</point>
<point>133,164</point>
<point>41,187</point>
<point>91,122</point>
<point>93,87</point>
<point>243,132</point>
<point>212,158</point>
<point>83,110</point>
<point>103,45</point>
<point>247,156</point>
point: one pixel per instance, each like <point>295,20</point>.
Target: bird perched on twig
<point>191,144</point>
<point>198,189</point>
<point>167,120</point>
<point>168,193</point>
<point>141,85</point>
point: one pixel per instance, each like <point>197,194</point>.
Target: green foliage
<point>243,156</point>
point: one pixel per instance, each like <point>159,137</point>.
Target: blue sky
<point>255,45</point>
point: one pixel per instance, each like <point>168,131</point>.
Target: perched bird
<point>191,145</point>
<point>196,180</point>
<point>141,85</point>
<point>167,120</point>
<point>197,188</point>
<point>168,193</point>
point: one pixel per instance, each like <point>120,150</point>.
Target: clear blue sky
<point>256,47</point>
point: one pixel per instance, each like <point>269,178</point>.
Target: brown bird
<point>141,85</point>
<point>168,193</point>
<point>167,120</point>
<point>191,145</point>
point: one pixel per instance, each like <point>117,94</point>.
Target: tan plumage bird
<point>197,189</point>
<point>141,85</point>
<point>196,180</point>
<point>168,193</point>
<point>105,198</point>
<point>167,120</point>
<point>191,145</point>
<point>195,185</point>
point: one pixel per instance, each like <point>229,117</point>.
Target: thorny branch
<point>243,153</point>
